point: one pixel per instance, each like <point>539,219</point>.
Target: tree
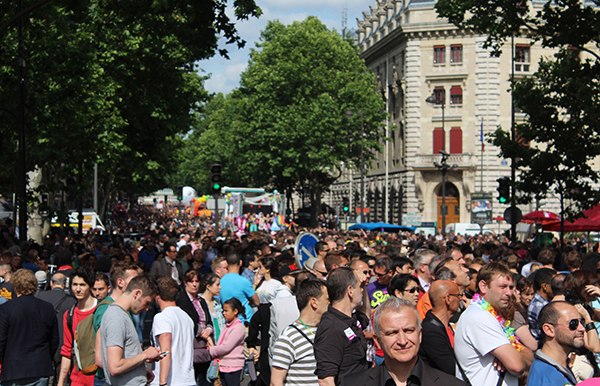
<point>113,83</point>
<point>560,138</point>
<point>292,131</point>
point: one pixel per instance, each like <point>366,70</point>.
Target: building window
<point>438,54</point>
<point>456,95</point>
<point>456,53</point>
<point>439,140</point>
<point>522,57</point>
<point>440,95</point>
<point>455,140</point>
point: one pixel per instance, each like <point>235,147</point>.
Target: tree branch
<point>14,19</point>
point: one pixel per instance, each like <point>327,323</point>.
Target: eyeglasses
<point>322,273</point>
<point>412,290</point>
<point>457,295</point>
<point>381,274</point>
<point>573,324</point>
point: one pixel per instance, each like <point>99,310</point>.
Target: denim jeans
<point>28,382</point>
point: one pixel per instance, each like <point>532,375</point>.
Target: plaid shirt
<point>533,311</point>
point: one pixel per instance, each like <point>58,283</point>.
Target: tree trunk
<point>315,199</point>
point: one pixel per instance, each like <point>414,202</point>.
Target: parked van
<point>465,228</point>
<point>91,220</point>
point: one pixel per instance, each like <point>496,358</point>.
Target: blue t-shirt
<point>234,285</point>
<point>544,374</point>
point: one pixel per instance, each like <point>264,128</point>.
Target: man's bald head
<point>58,280</point>
<point>439,290</point>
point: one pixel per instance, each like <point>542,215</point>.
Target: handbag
<point>213,370</point>
<point>201,354</point>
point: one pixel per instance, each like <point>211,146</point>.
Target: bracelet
<point>590,326</point>
<point>163,384</point>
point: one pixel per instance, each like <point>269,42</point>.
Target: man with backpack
<point>82,281</point>
<point>120,276</point>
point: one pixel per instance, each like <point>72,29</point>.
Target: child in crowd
<point>229,349</point>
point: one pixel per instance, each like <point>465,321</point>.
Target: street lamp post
<point>443,165</point>
<point>349,113</point>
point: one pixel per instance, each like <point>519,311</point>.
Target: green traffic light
<point>346,209</point>
<point>503,200</point>
<point>216,186</point>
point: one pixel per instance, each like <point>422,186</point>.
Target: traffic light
<point>345,205</point>
<point>503,189</point>
<point>216,178</point>
<point>179,192</point>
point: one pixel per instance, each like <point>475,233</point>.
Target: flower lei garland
<point>510,332</point>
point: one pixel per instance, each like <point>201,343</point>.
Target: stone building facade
<point>415,55</point>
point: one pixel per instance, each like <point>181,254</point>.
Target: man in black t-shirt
<point>340,345</point>
<point>7,290</point>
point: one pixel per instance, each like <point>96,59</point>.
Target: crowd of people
<point>188,304</point>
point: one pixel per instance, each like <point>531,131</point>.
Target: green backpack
<point>84,341</point>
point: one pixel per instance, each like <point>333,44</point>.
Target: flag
<point>481,138</point>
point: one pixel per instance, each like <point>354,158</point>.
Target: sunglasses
<point>366,272</point>
<point>322,273</point>
<point>412,290</point>
<point>573,324</point>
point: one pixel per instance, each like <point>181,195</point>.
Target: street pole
<point>22,190</point>
<point>362,165</point>
<point>513,135</point>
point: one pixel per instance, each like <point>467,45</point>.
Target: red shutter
<point>455,140</point>
<point>439,139</point>
<point>456,90</point>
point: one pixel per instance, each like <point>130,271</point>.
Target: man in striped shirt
<point>293,354</point>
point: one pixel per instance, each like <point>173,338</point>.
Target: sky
<point>225,74</point>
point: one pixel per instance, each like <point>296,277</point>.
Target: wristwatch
<point>590,326</point>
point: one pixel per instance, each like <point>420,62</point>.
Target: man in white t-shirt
<point>480,344</point>
<point>173,332</point>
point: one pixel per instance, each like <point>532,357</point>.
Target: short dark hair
<point>119,271</point>
<point>86,274</point>
<point>319,246</point>
<point>102,276</point>
<point>384,262</point>
<point>550,315</point>
<point>558,283</point>
<point>308,289</point>
<point>542,276</point>
<point>167,246</point>
<point>400,262</point>
<point>233,259</point>
<point>400,282</point>
<point>332,259</point>
<point>546,256</point>
<point>167,288</point>
<point>338,282</point>
<point>143,282</point>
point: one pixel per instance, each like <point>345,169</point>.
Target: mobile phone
<point>163,354</point>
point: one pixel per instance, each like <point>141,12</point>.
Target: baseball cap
<point>288,270</point>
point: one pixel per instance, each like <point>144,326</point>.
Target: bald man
<point>438,337</point>
<point>319,269</point>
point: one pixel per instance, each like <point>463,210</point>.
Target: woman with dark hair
<point>268,285</point>
<point>210,288</point>
<point>405,286</point>
<point>195,306</point>
<point>522,297</point>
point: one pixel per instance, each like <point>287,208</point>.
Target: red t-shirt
<point>77,378</point>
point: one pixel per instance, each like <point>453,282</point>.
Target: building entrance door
<point>452,205</point>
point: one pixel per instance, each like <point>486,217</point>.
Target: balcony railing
<point>425,161</point>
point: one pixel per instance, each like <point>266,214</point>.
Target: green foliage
<point>286,127</point>
<point>559,141</point>
<point>112,83</point>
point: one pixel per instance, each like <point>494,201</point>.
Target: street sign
<point>305,248</point>
<point>512,212</point>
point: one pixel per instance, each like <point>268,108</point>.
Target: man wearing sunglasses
<point>562,330</point>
